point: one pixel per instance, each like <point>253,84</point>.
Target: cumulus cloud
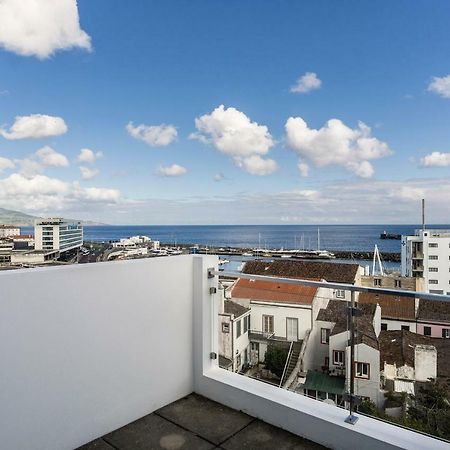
<point>35,126</point>
<point>336,144</point>
<point>306,83</point>
<point>5,164</point>
<point>435,159</point>
<point>303,169</point>
<point>88,156</point>
<point>233,133</point>
<point>87,173</point>
<point>219,177</point>
<point>440,86</point>
<point>256,165</point>
<point>174,170</point>
<point>41,27</point>
<point>49,157</point>
<point>153,135</point>
<point>42,193</point>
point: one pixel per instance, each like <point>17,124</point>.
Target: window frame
<point>271,321</point>
<point>425,328</point>
<point>238,328</point>
<point>225,327</point>
<point>327,335</point>
<point>338,363</point>
<point>362,365</point>
<point>340,293</point>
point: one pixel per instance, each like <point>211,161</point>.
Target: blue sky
<point>162,62</point>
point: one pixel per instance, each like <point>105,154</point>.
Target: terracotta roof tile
<point>392,306</point>
<point>270,291</point>
<point>332,272</point>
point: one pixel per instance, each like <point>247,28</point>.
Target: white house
<point>327,355</point>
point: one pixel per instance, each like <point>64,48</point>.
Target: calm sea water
<point>332,237</point>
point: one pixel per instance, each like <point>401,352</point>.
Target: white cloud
<point>233,133</point>
<point>5,164</point>
<point>35,126</point>
<point>336,144</point>
<point>174,170</point>
<point>303,169</point>
<point>256,165</point>
<point>41,27</point>
<point>88,156</point>
<point>88,173</point>
<point>440,86</point>
<point>219,177</point>
<point>435,159</point>
<point>96,195</point>
<point>154,135</point>
<point>49,157</point>
<point>307,83</point>
<point>39,161</point>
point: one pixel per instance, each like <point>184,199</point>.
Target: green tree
<point>275,359</point>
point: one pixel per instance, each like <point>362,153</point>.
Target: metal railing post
<point>352,419</point>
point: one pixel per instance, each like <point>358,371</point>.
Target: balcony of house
<point>124,355</point>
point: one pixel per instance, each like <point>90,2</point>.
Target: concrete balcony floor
<point>197,423</point>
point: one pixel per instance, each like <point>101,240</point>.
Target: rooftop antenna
<point>423,214</point>
<point>377,258</point>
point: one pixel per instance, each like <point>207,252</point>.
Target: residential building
<point>280,312</point>
<point>137,241</point>
<point>393,281</point>
<point>57,234</point>
<point>234,344</point>
<point>407,358</point>
<point>6,247</point>
<point>433,318</point>
<point>397,312</point>
<point>7,231</point>
<point>427,255</point>
<point>23,241</point>
<point>328,352</point>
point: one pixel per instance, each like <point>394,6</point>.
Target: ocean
<point>332,237</point>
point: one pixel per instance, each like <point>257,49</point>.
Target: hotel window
<point>267,324</point>
<point>340,293</point>
<point>325,335</point>
<point>384,326</point>
<point>238,328</point>
<point>446,332</point>
<point>433,257</point>
<point>433,281</point>
<point>427,331</point>
<point>362,370</point>
<point>432,245</point>
<point>338,357</point>
<point>405,327</point>
<point>225,327</point>
<point>432,269</point>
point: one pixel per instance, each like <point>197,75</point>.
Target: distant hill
<point>10,217</point>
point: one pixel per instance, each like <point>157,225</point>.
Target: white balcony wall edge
<point>298,414</point>
<point>89,348</point>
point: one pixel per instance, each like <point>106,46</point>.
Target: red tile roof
<point>392,306</point>
<point>270,291</point>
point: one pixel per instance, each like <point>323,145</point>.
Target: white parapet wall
<point>86,349</point>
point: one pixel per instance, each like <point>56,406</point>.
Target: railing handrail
<point>287,363</point>
<point>331,285</point>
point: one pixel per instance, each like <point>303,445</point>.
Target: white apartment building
<point>57,234</point>
<point>427,255</point>
<point>9,231</point>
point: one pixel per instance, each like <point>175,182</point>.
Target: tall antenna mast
<point>423,214</point>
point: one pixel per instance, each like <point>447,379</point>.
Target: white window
<point>338,357</point>
<point>446,333</point>
<point>325,335</point>
<point>267,324</point>
<point>433,281</point>
<point>432,245</point>
<point>432,269</point>
<point>377,282</point>
<point>362,370</point>
<point>225,327</point>
<point>340,293</point>
<point>433,257</point>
